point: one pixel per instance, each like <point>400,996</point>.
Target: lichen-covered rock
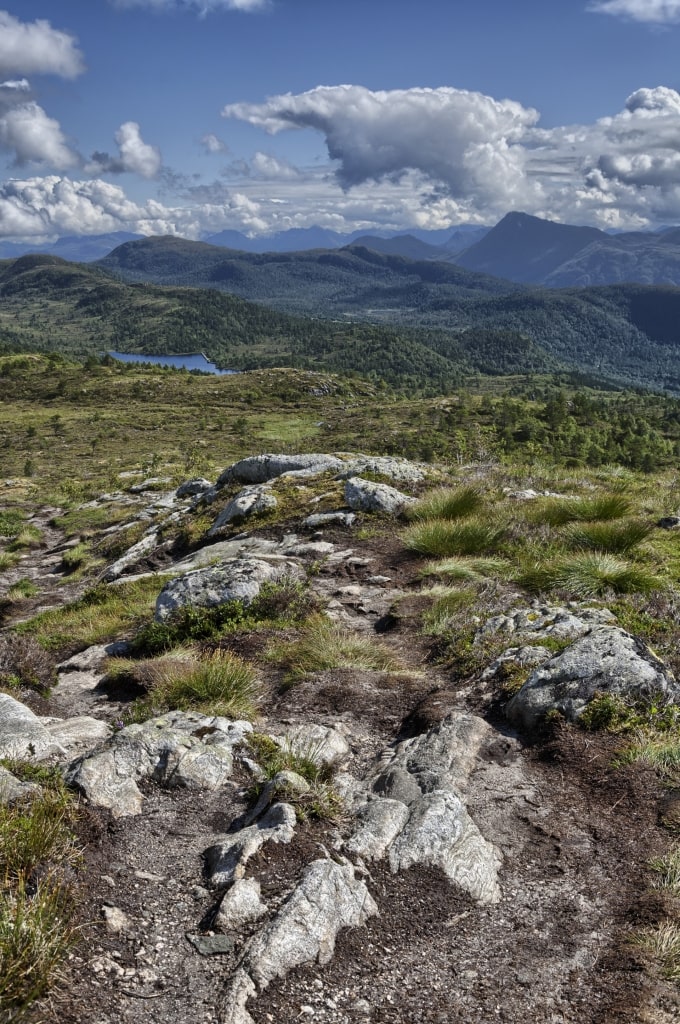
<point>181,748</point>
<point>606,660</point>
<point>523,657</point>
<point>23,736</point>
<point>235,579</point>
<point>404,470</point>
<point>320,519</point>
<point>367,496</point>
<point>320,742</point>
<point>258,469</point>
<point>560,622</point>
<point>248,502</point>
<point>226,860</point>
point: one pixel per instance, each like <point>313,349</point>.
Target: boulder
<point>248,502</point>
<point>560,622</point>
<point>240,905</point>
<point>13,789</point>
<point>181,748</point>
<point>190,488</point>
<point>367,496</point>
<point>258,469</point>
<point>237,579</point>
<point>605,660</point>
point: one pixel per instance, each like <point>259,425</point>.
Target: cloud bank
<point>654,12</point>
<point>203,7</point>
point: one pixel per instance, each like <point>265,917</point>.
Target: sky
<point>190,117</point>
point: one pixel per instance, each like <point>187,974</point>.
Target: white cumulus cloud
<point>35,48</point>
<point>33,137</point>
<point>213,144</point>
<point>134,155</point>
<point>466,140</point>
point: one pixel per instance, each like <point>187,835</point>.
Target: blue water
<point>193,361</point>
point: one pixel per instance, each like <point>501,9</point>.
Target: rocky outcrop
<point>557,621</point>
<point>23,735</point>
<point>403,470</point>
<point>181,748</point>
<point>193,487</point>
<point>226,860</point>
<point>367,496</point>
<point>606,660</point>
<point>132,555</point>
<point>237,579</point>
<point>327,898</point>
<point>414,811</point>
<point>258,469</point>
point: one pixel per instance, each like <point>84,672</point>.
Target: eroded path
<point>539,932</point>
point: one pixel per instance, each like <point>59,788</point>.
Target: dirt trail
<point>575,837</point>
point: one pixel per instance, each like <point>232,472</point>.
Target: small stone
<point>116,920</point>
<point>211,945</point>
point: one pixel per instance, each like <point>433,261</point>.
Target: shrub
<point>444,503</point>
<point>442,538</point>
<point>24,662</point>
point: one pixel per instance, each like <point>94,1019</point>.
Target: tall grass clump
<point>37,855</point>
<point>589,575</point>
<point>442,538</point>
<point>560,511</point>
<point>613,537</point>
<point>445,503</point>
<point>218,684</point>
<point>667,871</point>
<point>323,644</point>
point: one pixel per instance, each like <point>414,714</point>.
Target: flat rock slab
<point>23,736</point>
<point>181,748</point>
<point>606,660</point>
<point>560,622</point>
<point>13,789</point>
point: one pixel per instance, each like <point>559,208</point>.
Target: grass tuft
<point>617,537</point>
<point>441,538</point>
<point>663,943</point>
<point>667,871</point>
<point>325,645</point>
<point>219,684</point>
<point>444,503</point>
<point>589,575</point>
<point>458,567</point>
<point>560,511</point>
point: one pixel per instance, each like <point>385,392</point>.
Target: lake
<point>189,361</point>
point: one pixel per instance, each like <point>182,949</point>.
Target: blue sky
<point>192,116</point>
